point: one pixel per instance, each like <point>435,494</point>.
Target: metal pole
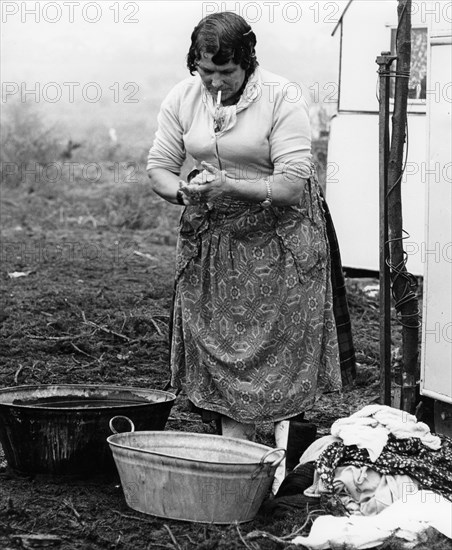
<point>384,62</point>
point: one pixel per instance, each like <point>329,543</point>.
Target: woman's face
<point>228,77</point>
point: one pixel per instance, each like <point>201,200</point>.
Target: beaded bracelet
<point>266,203</point>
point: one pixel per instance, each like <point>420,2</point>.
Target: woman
<point>254,333</point>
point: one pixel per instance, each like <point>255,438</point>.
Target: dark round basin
<point>62,429</point>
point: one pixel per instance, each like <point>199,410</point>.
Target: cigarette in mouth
<point>219,98</point>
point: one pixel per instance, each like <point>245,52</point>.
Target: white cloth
<point>365,433</point>
<point>406,519</point>
<point>281,440</point>
<point>401,424</point>
<point>239,430</point>
<point>370,427</point>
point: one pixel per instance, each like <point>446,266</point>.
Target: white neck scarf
<point>224,117</point>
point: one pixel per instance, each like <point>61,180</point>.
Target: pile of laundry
<point>387,474</point>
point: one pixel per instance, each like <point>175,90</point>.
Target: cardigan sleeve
<point>290,137</point>
<point>168,150</point>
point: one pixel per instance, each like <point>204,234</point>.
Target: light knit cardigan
<point>266,132</point>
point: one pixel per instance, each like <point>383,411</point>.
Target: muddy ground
<point>92,306</point>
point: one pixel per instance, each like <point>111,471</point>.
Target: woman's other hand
<point>207,186</point>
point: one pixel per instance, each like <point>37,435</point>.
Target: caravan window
<point>418,71</point>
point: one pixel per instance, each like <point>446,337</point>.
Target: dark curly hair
<point>228,37</point>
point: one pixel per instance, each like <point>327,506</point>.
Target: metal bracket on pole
<point>384,62</point>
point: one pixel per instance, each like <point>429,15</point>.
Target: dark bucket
<point>61,430</point>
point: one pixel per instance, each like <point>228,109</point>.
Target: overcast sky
<point>147,41</point>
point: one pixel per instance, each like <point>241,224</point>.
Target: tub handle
<point>263,462</point>
<point>126,418</point>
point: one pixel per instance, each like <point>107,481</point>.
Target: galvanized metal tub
<point>194,477</point>
<point>62,429</point>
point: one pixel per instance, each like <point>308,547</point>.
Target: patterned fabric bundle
<point>432,469</point>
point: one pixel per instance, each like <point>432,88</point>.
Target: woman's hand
<point>207,186</point>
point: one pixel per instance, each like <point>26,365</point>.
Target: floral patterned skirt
<point>254,335</point>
